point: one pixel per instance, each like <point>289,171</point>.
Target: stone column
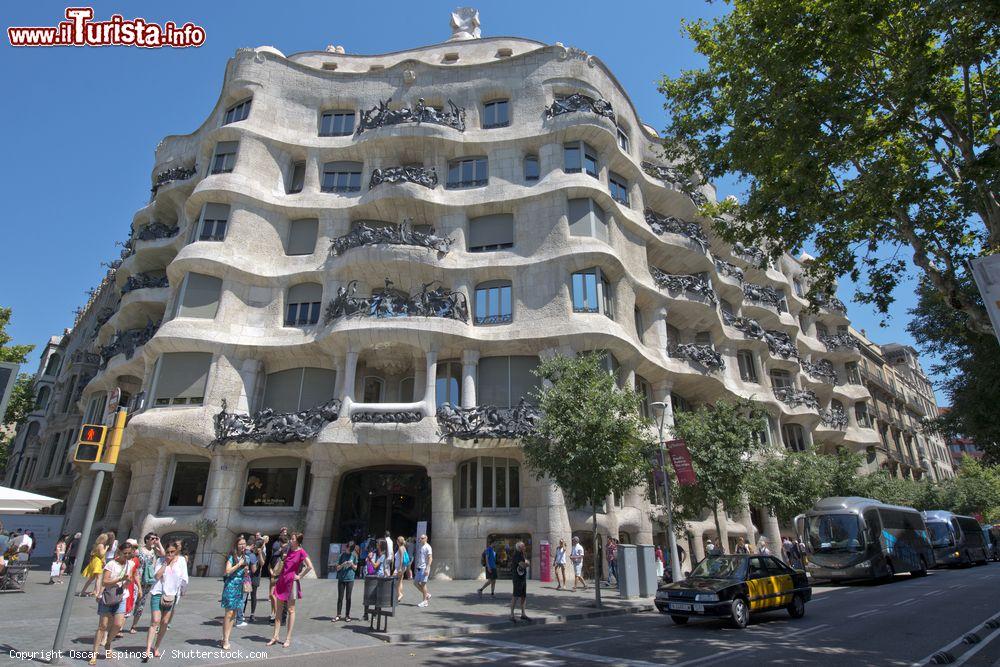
<point>419,377</point>
<point>659,328</point>
<point>444,530</point>
<point>156,490</point>
<point>723,536</point>
<point>552,519</point>
<point>224,479</point>
<point>697,545</point>
<point>430,383</point>
<point>250,371</point>
<point>78,511</point>
<point>350,377</point>
<point>318,514</point>
<point>470,361</point>
<point>116,499</point>
<point>630,378</point>
<point>772,531</point>
<point>338,382</point>
<point>746,518</point>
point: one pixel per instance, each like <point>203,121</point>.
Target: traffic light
<point>90,444</point>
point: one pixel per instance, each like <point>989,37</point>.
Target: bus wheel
<point>739,613</point>
<point>922,572</point>
<point>797,609</point>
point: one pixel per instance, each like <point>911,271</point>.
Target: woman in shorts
<point>171,580</point>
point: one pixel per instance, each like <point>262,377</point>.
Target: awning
<point>15,501</point>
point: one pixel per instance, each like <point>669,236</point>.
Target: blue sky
<point>81,124</point>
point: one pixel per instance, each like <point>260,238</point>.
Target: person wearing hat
<point>146,556</point>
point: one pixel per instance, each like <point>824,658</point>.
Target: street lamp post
<point>675,563</point>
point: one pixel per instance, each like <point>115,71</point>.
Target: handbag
<point>247,586</point>
<point>56,569</point>
<point>167,602</point>
<point>112,596</point>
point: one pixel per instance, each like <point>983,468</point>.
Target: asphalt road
<point>903,622</point>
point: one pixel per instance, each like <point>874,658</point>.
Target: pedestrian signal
<point>90,444</point>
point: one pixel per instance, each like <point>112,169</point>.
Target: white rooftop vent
<point>464,24</point>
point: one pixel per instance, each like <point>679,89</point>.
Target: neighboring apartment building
<point>902,399</point>
<point>336,296</point>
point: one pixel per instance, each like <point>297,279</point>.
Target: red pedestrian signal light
<point>90,444</point>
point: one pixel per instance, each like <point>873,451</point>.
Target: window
<point>586,218</point>
<point>189,482</point>
<point>640,326</point>
<point>199,296</point>
<point>623,141</point>
<point>52,366</point>
<point>726,307</point>
<point>496,114</point>
<point>797,286</point>
<point>619,188</point>
<point>861,414</point>
<point>493,302</point>
<point>580,156</point>
<point>407,390</point>
<point>748,368</point>
<point>448,385</point>
<point>336,124</point>
<point>298,178</point>
<point>276,482</point>
<point>780,378</point>
<point>214,222</point>
<point>68,394</point>
<point>531,169</point>
<point>237,112</point>
<point>341,177</point>
<point>491,232</point>
<point>489,483</point>
<point>302,237</point>
<point>679,403</point>
<point>853,374</point>
<point>592,293</point>
<point>793,437</point>
<point>298,389</point>
<point>180,378</point>
<point>302,304</point>
<point>42,400</point>
<point>95,408</point>
<point>224,158</point>
<point>468,173</point>
<point>373,390</point>
<point>782,301</point>
<point>821,330</point>
<point>703,338</point>
<point>503,381</point>
<point>642,388</point>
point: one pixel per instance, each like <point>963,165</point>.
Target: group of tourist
<point>519,564</point>
<point>382,558</point>
<point>17,545</point>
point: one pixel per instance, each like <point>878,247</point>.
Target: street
<point>901,623</point>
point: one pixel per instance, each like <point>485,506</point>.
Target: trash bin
<point>380,601</point>
<point>646,554</point>
<point>628,572</point>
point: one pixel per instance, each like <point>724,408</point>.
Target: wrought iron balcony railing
<point>382,116</point>
<point>438,302</point>
<point>269,426</point>
<point>366,234</point>
<point>670,225</point>
<point>795,397</point>
<point>696,285</point>
<point>840,341</point>
<point>487,421</point>
<point>580,102</point>
<point>705,355</point>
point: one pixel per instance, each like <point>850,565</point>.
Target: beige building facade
<point>329,311</point>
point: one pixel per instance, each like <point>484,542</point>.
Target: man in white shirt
<point>422,569</point>
<point>576,555</point>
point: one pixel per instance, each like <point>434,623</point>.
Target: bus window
<point>833,533</point>
<point>941,534</point>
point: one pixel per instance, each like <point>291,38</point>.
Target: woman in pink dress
<point>293,567</point>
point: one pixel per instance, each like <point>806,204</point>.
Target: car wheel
<point>679,620</point>
<point>922,572</point>
<point>797,609</point>
<point>739,613</point>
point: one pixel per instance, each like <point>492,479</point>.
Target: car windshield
<point>835,533</point>
<point>721,567</point>
<point>941,534</point>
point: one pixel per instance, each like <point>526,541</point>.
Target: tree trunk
<point>597,559</point>
<point>718,528</point>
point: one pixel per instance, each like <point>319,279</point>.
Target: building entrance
<point>374,500</point>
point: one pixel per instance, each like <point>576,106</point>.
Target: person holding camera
<point>171,580</point>
<point>519,575</point>
<point>232,588</point>
<point>147,554</point>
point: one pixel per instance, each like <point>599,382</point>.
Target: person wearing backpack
<point>401,564</point>
<point>147,554</point>
<point>488,560</point>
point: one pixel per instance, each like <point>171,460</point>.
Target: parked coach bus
<point>957,540</point>
<point>861,538</point>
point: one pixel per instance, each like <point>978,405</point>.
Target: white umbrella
<point>15,501</point>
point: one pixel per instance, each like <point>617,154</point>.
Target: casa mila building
<point>332,305</point>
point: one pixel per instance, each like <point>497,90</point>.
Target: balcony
<point>382,116</point>
<point>841,341</point>
<point>579,102</point>
<point>144,281</point>
<point>794,398</point>
<point>781,345</point>
<point>752,255</point>
<point>392,303</point>
<point>425,176</point>
<point>126,342</point>
<point>697,286</point>
<point>729,269</point>
<point>671,225</point>
<point>834,418</point>
<point>364,234</point>
<point>820,370</point>
<point>750,328</point>
<point>674,177</point>
<point>487,421</point>
<point>704,355</point>
<point>269,426</point>
<point>763,296</point>
<point>171,175</point>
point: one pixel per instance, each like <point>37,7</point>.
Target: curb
<point>479,628</point>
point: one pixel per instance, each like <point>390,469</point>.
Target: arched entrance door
<point>374,500</point>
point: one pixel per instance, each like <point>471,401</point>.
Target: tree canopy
<point>866,129</point>
<point>17,354</point>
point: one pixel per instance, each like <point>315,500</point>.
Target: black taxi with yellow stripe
<point>733,587</point>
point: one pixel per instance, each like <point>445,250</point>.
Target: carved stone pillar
<point>250,371</point>
<point>430,383</point>
<point>156,490</point>
<point>772,531</point>
<point>116,499</point>
<point>470,361</point>
<point>660,328</point>
<point>552,519</point>
<point>723,530</point>
<point>630,378</point>
<point>444,537</point>
<point>220,500</point>
<point>350,378</point>
<point>318,514</point>
<point>697,546</point>
<point>419,377</point>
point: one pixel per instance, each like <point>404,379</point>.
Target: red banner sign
<point>680,457</point>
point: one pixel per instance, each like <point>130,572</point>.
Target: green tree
<point>863,128</point>
<point>970,365</point>
<point>590,439</point>
<point>841,472</point>
<point>17,354</point>
<point>723,439</point>
<point>788,483</point>
<point>22,400</point>
<point>977,489</point>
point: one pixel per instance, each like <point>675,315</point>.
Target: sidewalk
<point>30,619</point>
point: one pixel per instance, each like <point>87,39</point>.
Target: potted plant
<point>205,529</point>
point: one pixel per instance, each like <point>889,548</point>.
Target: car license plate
<point>700,608</point>
<point>680,606</point>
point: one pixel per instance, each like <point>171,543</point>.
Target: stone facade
<point>536,221</point>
